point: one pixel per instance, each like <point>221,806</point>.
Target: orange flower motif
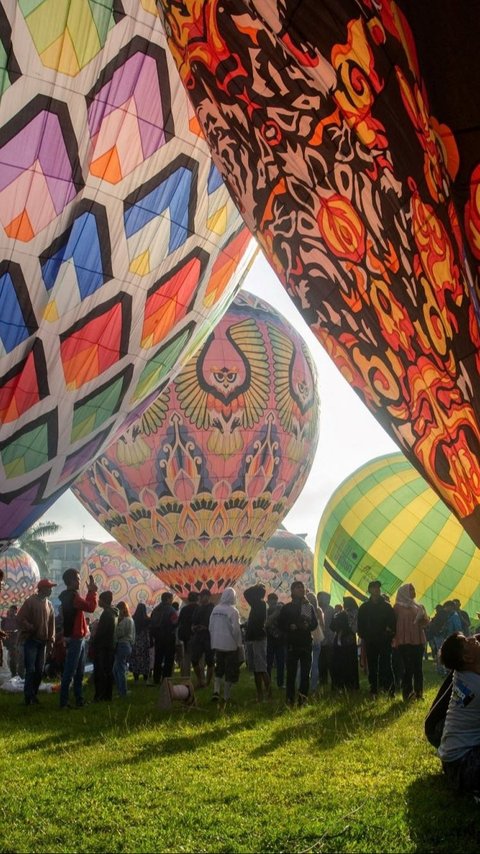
<point>341,227</point>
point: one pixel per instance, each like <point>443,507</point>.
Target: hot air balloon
<point>384,522</point>
<point>120,246</point>
<point>21,576</point>
<point>114,568</point>
<point>284,558</point>
<point>349,140</point>
<point>197,485</point>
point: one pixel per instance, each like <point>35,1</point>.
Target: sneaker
<point>81,704</point>
<point>215,698</point>
<point>64,708</point>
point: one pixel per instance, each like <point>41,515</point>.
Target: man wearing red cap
<point>36,621</point>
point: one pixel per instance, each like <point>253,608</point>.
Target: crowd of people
<point>303,645</point>
<point>306,641</point>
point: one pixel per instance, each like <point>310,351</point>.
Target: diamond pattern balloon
<point>120,247</point>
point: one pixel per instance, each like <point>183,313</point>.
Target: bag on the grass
<point>435,720</point>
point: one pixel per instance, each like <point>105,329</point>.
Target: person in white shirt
<point>460,745</point>
<point>226,639</point>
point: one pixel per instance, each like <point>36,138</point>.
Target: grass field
<point>341,774</point>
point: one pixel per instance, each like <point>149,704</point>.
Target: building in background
<point>66,554</point>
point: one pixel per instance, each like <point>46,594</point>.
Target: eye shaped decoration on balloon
<point>120,246</point>
<point>195,487</point>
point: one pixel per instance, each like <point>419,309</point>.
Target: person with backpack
<point>163,623</point>
<point>459,748</point>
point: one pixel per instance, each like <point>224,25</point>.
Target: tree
<point>32,541</point>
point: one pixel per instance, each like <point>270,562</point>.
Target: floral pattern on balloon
<point>195,487</point>
<point>114,568</point>
<point>21,576</point>
<point>284,558</point>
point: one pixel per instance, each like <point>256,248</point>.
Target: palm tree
<point>32,542</point>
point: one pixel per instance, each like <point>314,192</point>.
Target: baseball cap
<point>44,583</point>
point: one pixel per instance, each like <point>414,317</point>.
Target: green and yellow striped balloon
<point>385,522</point>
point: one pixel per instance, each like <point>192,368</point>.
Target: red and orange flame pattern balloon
<point>348,135</point>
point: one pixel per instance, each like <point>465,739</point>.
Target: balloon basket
<point>176,694</point>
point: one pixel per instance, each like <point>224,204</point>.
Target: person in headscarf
<point>140,655</point>
<point>226,640</point>
<point>410,640</point>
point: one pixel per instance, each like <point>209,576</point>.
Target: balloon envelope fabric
<point>196,486</point>
<point>21,576</point>
<point>384,522</point>
<point>349,134</point>
<point>120,247</point>
<point>284,558</point>
<point>114,568</point>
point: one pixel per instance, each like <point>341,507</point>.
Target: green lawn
<point>342,774</point>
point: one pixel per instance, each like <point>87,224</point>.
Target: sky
<point>349,434</point>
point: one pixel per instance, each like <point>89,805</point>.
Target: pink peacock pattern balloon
<point>114,568</point>
<point>284,558</point>
<point>196,486</point>
<point>21,576</point>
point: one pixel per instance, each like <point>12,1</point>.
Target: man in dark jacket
<point>104,648</point>
<point>376,627</point>
<point>201,648</point>
<point>256,638</point>
<point>163,623</point>
<point>297,620</point>
<point>184,631</point>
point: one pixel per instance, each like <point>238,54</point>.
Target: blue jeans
<point>73,668</point>
<point>120,666</point>
<point>34,652</point>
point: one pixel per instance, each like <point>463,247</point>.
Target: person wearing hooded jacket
<point>226,638</point>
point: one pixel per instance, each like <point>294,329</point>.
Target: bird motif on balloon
<point>224,392</point>
<point>198,483</point>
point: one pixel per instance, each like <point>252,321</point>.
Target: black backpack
<point>435,720</point>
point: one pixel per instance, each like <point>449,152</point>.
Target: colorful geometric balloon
<point>21,576</point>
<point>348,134</point>
<point>284,558</point>
<point>195,487</point>
<point>114,568</point>
<point>120,247</point>
<point>385,522</point>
